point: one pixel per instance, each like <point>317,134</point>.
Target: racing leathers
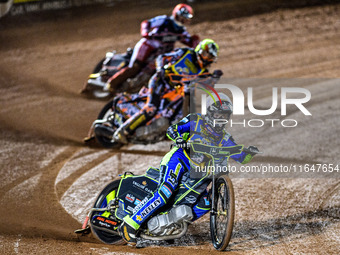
<point>159,36</point>
<point>174,71</point>
<point>175,180</point>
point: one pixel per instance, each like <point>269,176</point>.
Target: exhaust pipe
<point>102,130</point>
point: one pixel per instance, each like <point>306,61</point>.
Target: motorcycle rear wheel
<point>99,66</point>
<point>107,109</point>
<point>103,140</point>
<point>101,235</point>
<point>97,93</point>
<point>222,219</point>
<point>102,95</point>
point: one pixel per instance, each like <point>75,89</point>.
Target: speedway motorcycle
<point>124,106</point>
<point>95,86</point>
<point>122,195</point>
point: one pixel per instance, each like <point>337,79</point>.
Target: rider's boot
<point>127,232</point>
<point>88,139</point>
<point>85,89</point>
<point>121,76</point>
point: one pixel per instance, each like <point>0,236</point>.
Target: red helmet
<point>182,11</point>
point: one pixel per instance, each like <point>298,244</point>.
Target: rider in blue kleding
<point>175,180</point>
<point>172,68</point>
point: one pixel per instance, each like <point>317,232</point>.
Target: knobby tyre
<point>99,93</point>
<point>99,66</point>
<point>222,220</point>
<point>101,235</point>
<point>103,140</point>
<point>106,111</point>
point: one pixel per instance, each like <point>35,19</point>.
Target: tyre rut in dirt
<point>102,95</point>
<point>99,234</point>
<point>222,220</point>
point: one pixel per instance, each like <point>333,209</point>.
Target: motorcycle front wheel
<point>222,217</point>
<point>100,202</point>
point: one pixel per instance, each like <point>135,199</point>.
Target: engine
<point>148,132</point>
<point>167,224</point>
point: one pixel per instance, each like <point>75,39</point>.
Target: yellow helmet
<point>207,52</point>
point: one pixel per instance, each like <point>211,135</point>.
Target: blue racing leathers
<point>175,65</point>
<point>175,181</point>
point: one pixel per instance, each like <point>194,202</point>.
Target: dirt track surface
<point>49,179</point>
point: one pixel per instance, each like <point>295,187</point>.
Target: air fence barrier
<point>18,7</point>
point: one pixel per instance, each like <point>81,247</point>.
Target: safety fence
<point>17,7</point>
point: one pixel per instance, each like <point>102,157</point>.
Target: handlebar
<point>166,37</point>
<point>216,150</point>
<point>205,79</point>
<point>251,150</point>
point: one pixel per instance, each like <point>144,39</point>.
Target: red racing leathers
<point>159,36</point>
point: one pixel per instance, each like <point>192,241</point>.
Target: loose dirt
<point>49,178</point>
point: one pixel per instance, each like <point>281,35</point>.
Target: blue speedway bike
<point>119,198</point>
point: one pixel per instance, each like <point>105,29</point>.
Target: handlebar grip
<point>175,145</point>
<point>252,151</point>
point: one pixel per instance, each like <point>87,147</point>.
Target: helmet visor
<point>221,115</point>
<point>185,13</point>
<point>207,56</point>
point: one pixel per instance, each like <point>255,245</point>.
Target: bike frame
<point>214,152</point>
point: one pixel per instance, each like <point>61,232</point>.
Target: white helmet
<point>217,109</point>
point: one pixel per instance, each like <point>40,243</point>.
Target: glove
<point>217,73</point>
<point>180,143</point>
<point>253,150</point>
<point>195,40</point>
<point>160,70</point>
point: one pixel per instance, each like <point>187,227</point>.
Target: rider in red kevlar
<point>159,34</point>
